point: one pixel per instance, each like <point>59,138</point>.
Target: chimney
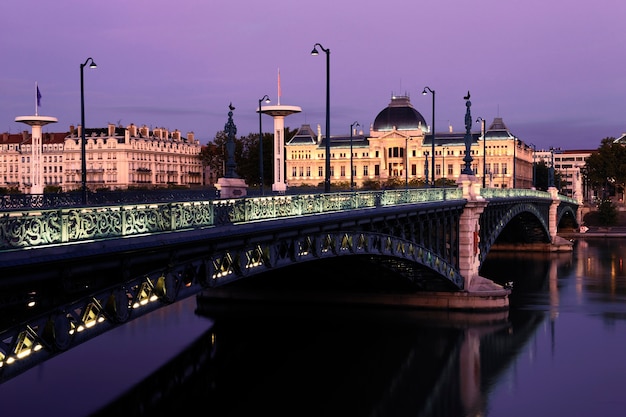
<point>72,130</point>
<point>111,129</point>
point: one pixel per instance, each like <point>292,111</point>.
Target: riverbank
<point>595,229</point>
<point>607,232</point>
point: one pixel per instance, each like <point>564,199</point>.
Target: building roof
<point>450,138</point>
<point>498,130</point>
<point>304,136</point>
<point>399,115</point>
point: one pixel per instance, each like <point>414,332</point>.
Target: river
<point>558,352</point>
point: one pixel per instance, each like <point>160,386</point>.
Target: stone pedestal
<point>232,187</point>
<point>279,187</point>
<point>469,228</point>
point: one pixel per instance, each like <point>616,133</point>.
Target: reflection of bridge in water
<point>363,362</point>
<point>93,268</point>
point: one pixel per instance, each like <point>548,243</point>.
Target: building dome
<point>400,115</point>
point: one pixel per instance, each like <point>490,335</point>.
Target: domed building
<point>399,130</point>
<point>398,150</point>
<point>399,115</point>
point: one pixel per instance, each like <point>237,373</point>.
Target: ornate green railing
<point>31,228</point>
<point>489,193</point>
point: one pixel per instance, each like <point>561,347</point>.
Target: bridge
<point>88,269</point>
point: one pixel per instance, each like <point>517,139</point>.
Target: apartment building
<point>116,158</point>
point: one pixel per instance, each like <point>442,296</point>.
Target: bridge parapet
<point>31,228</point>
<point>489,193</point>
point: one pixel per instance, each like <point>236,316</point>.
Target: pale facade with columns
<point>399,145</point>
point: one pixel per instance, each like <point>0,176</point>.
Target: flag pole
<point>36,99</point>
<point>279,92</point>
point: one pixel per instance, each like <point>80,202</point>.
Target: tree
<point>212,156</point>
<point>606,168</point>
<point>246,156</point>
<point>542,176</point>
<point>607,213</point>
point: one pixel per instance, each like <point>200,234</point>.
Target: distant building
<point>399,146</point>
<point>116,158</point>
<point>569,164</point>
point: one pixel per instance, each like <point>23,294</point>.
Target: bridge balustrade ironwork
<point>32,228</point>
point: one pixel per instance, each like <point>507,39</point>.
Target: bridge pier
<point>469,228</point>
<point>553,213</point>
<point>475,286</point>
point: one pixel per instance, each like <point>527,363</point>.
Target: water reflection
<point>320,359</point>
<point>558,351</point>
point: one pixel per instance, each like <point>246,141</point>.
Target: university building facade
<point>399,146</point>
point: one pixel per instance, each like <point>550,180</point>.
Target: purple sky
<point>552,69</point>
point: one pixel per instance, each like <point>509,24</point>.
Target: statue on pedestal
<point>468,137</point>
<point>231,186</point>
<point>231,131</point>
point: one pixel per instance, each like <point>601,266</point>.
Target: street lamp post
<point>482,131</point>
<point>514,164</point>
<point>534,164</point>
<point>406,163</point>
<point>83,142</point>
<point>314,52</point>
<point>351,164</point>
<point>443,165</point>
<point>267,100</point>
<point>432,156</point>
<point>551,170</point>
